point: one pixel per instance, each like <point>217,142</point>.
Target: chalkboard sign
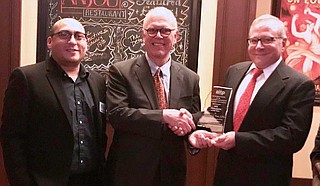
<point>113,28</point>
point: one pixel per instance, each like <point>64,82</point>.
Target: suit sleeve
<point>196,103</point>
<point>122,115</point>
<point>14,129</point>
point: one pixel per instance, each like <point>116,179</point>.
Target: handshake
<point>181,123</point>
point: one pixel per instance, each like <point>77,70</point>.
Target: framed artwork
<point>113,28</point>
<point>302,51</point>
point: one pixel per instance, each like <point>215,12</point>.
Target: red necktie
<point>244,101</point>
<point>161,94</point>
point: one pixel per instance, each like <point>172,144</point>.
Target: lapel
<point>53,76</point>
<point>143,72</point>
<point>237,76</point>
<point>175,85</point>
<point>265,95</point>
<point>234,79</point>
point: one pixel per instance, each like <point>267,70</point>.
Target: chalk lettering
<point>113,26</point>
<point>159,2</point>
<point>92,3</point>
<point>118,14</point>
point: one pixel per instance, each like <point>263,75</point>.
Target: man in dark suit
<point>276,124</point>
<point>315,160</point>
<point>53,123</point>
<point>148,145</point>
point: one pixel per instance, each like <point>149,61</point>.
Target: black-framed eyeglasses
<point>66,35</point>
<point>264,40</point>
<point>164,32</point>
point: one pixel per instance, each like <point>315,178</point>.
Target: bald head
<point>67,43</point>
<point>67,22</point>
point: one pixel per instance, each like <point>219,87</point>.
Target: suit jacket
<point>144,151</point>
<point>275,126</point>
<point>36,133</point>
<point>315,158</point>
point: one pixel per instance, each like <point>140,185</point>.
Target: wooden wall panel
<point>233,21</point>
<point>10,11</point>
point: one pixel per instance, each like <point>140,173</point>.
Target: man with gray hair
<point>270,113</point>
<point>153,103</point>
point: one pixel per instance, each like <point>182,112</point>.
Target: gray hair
<point>272,22</point>
<point>163,12</point>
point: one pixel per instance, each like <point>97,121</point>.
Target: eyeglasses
<point>66,35</point>
<point>264,40</point>
<point>164,32</point>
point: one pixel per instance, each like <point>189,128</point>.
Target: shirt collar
<point>266,71</point>
<point>83,72</point>
<point>165,69</point>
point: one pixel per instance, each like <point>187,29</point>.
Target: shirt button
<point>81,161</point>
<point>80,122</point>
<point>78,102</point>
<point>81,142</point>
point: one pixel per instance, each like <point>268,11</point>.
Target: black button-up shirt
<point>81,106</point>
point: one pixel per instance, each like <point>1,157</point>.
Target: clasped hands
<point>204,139</point>
<point>179,121</point>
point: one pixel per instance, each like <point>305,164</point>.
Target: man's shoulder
<point>286,71</point>
<point>34,66</point>
<point>241,64</point>
<point>128,66</point>
<point>96,75</point>
<point>183,68</point>
<point>32,69</point>
<point>131,61</point>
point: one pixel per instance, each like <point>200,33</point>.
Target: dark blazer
<point>275,126</point>
<point>36,133</point>
<point>144,151</point>
<point>315,158</point>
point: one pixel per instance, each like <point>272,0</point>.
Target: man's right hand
<point>179,121</point>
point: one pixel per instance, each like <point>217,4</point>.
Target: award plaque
<point>215,116</point>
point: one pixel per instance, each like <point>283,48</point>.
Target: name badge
<point>102,107</point>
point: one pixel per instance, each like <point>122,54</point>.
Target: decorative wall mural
<point>113,27</point>
<point>302,51</point>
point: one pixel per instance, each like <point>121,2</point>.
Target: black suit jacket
<point>315,158</point>
<point>36,132</point>
<point>144,151</point>
<point>275,126</point>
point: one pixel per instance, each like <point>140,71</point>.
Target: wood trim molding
<point>301,182</point>
<point>10,13</point>
<point>16,33</point>
<point>194,35</point>
<point>233,21</point>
